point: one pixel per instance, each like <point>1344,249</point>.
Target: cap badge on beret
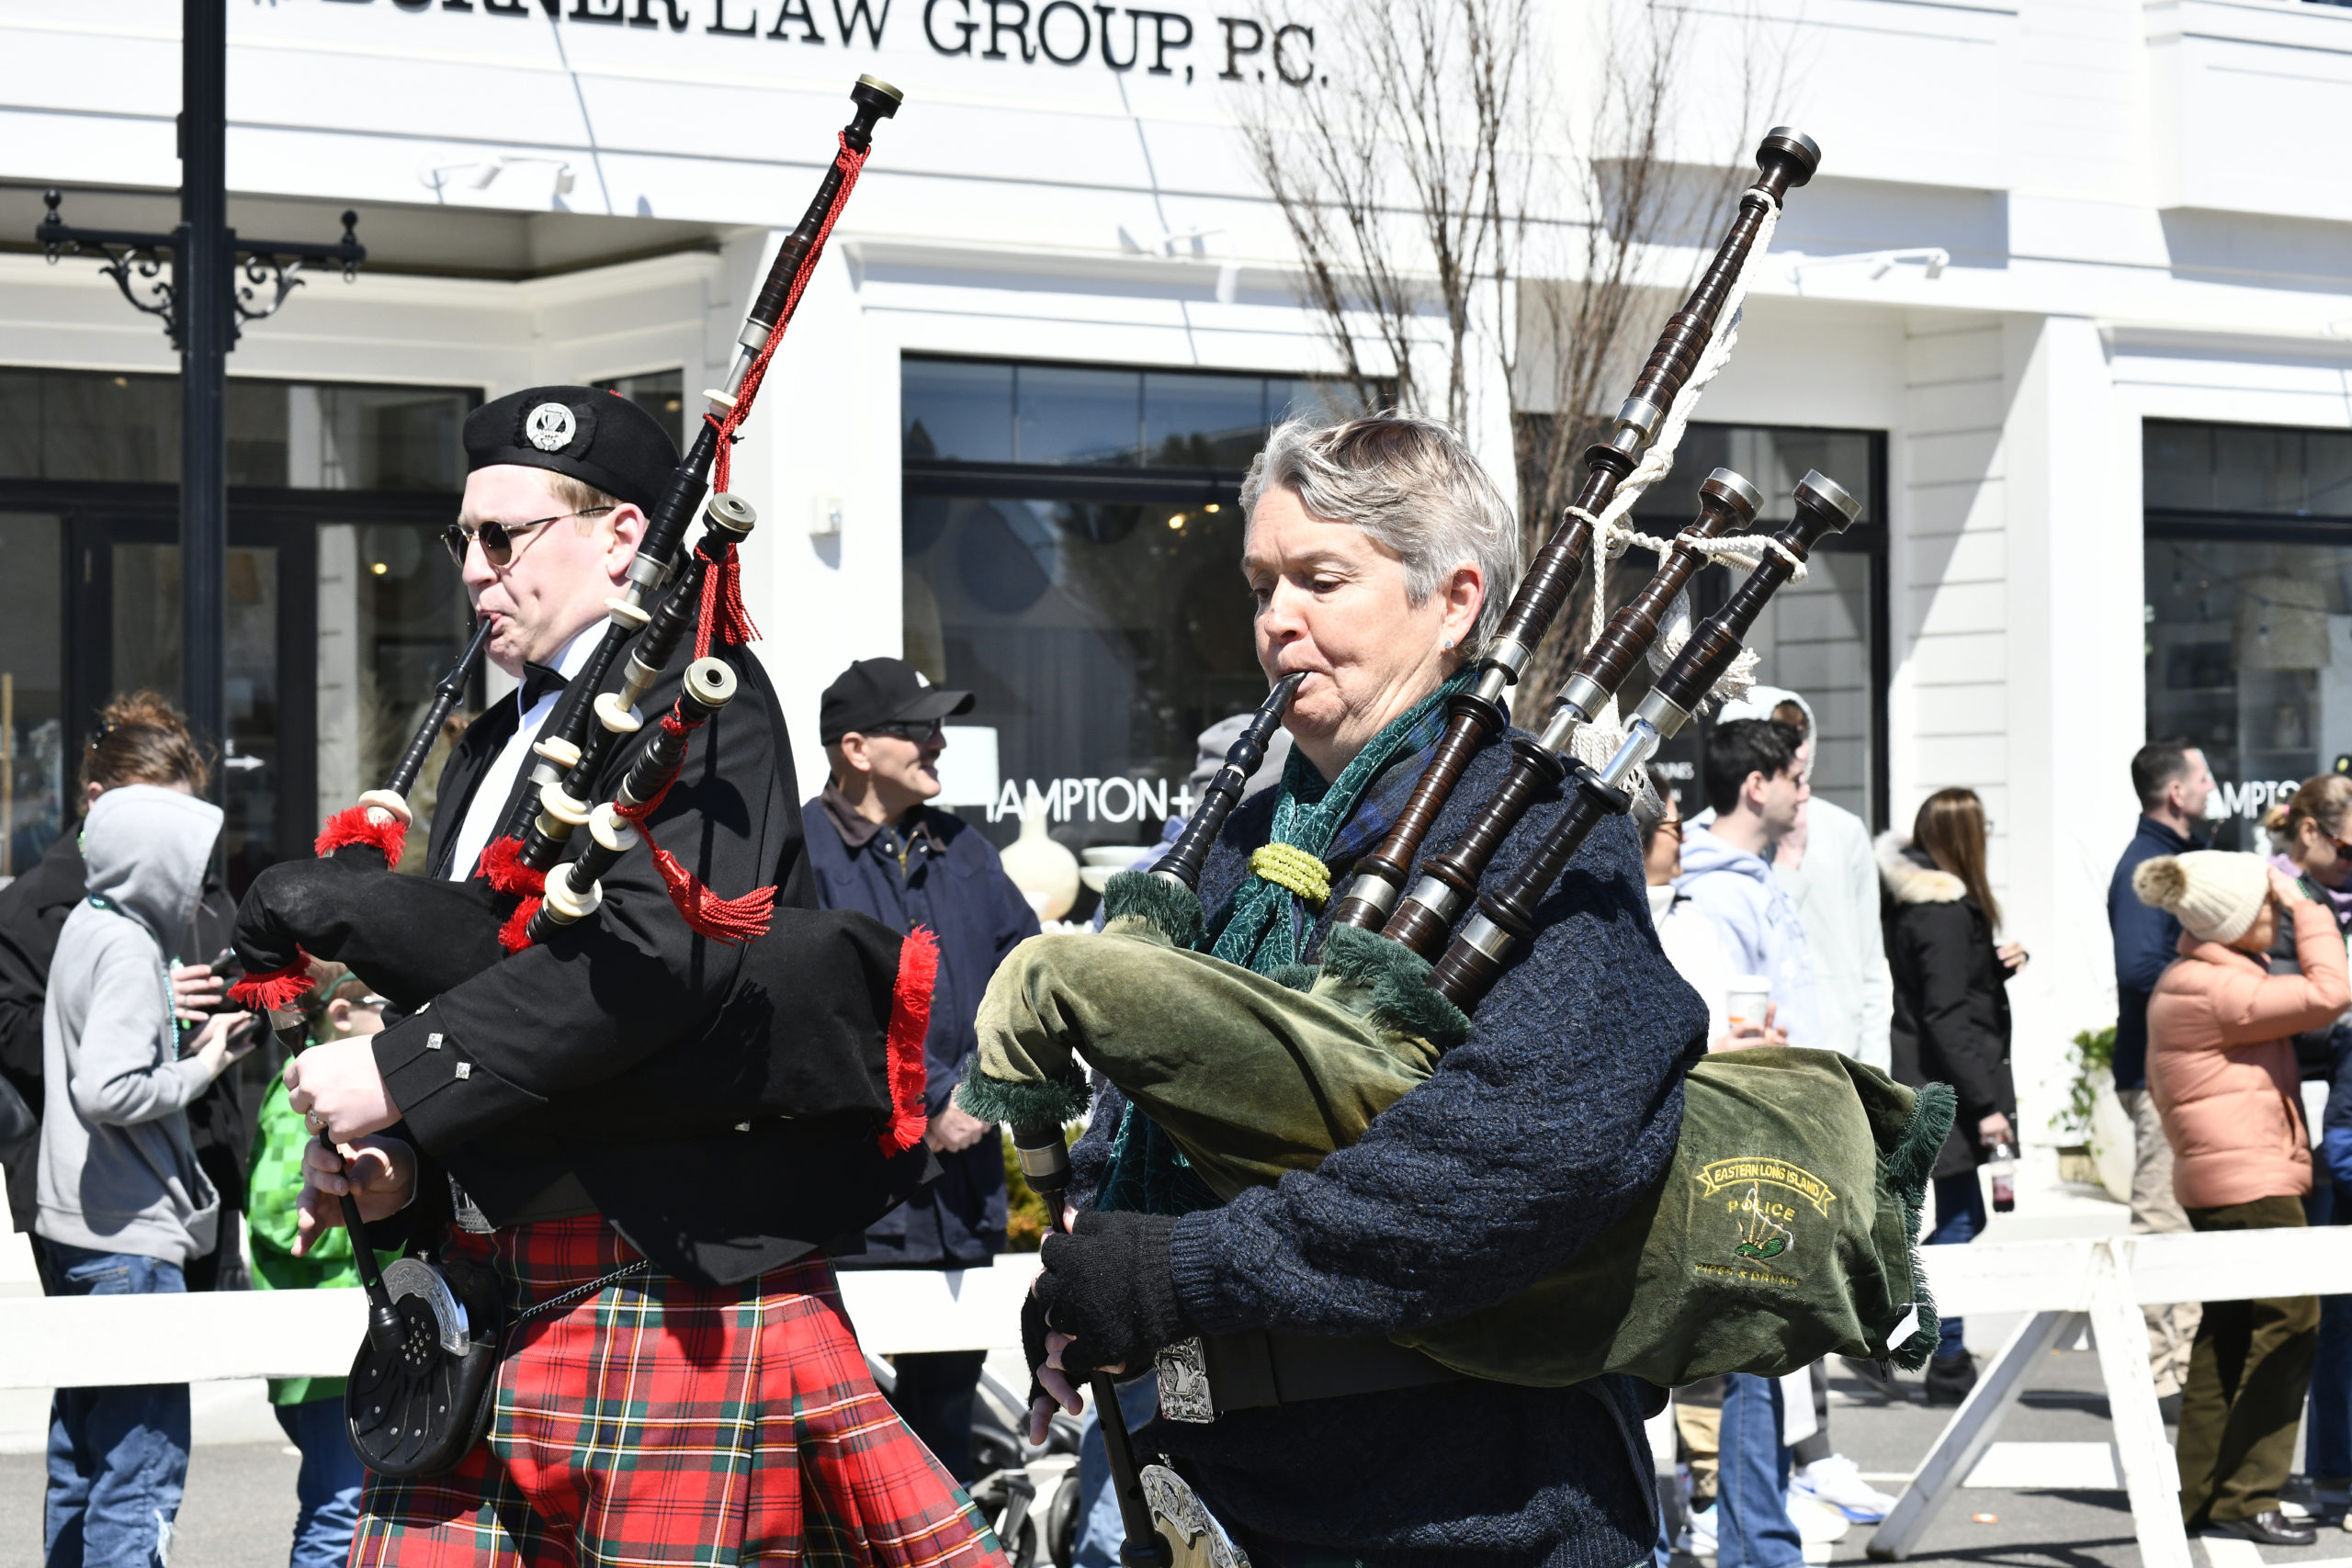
<point>550,428</point>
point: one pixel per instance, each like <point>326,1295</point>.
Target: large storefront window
<point>1072,540</point>
<point>2249,607</point>
<point>1824,638</point>
<point>343,607</point>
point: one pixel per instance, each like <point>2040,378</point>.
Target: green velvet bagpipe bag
<point>1782,1232</point>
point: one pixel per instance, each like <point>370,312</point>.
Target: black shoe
<point>1877,1376</point>
<point>2273,1529</point>
<point>1949,1378</point>
<point>2169,1406</point>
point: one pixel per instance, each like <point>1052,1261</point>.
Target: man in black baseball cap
<point>880,695</point>
<point>877,846</point>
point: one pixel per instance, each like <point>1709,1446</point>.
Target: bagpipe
<point>1784,1227</point>
<point>412,937</point>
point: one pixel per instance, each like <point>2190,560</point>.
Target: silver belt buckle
<point>1183,1371</point>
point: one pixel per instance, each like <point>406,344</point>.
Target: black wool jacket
<point>629,1068</point>
<point>1530,1140</point>
<point>1952,997</point>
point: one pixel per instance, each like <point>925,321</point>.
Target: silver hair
<point>1411,484</point>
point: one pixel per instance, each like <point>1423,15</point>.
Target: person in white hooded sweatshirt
<point>1827,866</point>
<point>123,1203</point>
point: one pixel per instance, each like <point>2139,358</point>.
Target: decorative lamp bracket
<point>145,266</point>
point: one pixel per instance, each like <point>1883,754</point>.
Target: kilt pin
<point>661,1422</point>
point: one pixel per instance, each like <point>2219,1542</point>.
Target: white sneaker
<point>1818,1523</point>
<point>1700,1535</point>
<point>1836,1482</point>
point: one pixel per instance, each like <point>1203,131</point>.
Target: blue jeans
<point>117,1456</point>
<point>2328,1418</point>
<point>1100,1528</point>
<point>1960,1218</point>
<point>326,1492</point>
<point>1752,1525</point>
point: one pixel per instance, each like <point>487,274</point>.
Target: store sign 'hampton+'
<point>1064,32</point>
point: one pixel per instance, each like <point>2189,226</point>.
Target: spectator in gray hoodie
<point>123,1204</point>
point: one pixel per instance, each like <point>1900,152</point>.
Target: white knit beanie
<point>2214,894</point>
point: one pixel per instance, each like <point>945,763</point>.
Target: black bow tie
<point>537,681</point>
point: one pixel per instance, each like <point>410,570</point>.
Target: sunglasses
<point>921,734</point>
<point>497,539</point>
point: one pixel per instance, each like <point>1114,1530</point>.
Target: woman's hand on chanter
<point>380,1172</point>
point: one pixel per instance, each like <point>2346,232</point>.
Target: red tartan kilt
<point>663,1422</point>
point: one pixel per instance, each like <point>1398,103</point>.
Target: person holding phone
<point>124,1205</point>
<point>2222,1069</point>
<point>139,739</point>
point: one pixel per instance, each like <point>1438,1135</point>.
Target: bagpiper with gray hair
<point>1412,485</point>
<point>1377,552</point>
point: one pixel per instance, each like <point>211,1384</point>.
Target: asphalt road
<point>239,1512</point>
<point>240,1506</point>
<point>2033,1529</point>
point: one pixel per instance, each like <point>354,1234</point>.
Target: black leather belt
<point>1203,1378</point>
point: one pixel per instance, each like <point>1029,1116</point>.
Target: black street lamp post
<point>212,281</point>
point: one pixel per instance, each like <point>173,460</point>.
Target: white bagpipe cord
<point>1594,743</point>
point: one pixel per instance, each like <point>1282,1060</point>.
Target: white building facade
<point>2106,447</point>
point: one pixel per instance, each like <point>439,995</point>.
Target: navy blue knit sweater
<point>1527,1143</point>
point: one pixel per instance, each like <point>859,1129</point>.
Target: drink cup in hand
<point>1745,1002</point>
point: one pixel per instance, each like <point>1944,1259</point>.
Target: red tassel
<point>501,867</point>
<point>359,825</point>
<point>909,1024</point>
<point>724,619</point>
<point>705,913</point>
<point>276,991</point>
<point>516,934</point>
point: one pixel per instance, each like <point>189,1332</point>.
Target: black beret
<point>598,438</point>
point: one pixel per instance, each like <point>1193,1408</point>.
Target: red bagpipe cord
<point>909,1024</point>
<point>724,618</point>
<point>501,867</point>
<point>276,991</point>
<point>705,912</point>
<point>359,825</point>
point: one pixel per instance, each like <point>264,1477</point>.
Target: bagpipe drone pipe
<point>849,982</point>
<point>1784,1227</point>
<point>1693,347</point>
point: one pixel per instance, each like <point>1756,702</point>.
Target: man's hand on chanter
<point>336,1090</point>
<point>380,1172</point>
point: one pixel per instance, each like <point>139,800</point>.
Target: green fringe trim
<point>1903,1171</point>
<point>1044,1103</point>
<point>1399,977</point>
<point>1299,977</point>
<point>1173,911</point>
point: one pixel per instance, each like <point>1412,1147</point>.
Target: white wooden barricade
<point>2059,1285</point>
<point>90,1341</point>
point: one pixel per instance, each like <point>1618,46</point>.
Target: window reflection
<point>74,424</point>
<point>32,734</point>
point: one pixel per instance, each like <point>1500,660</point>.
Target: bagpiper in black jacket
<point>629,1068</point>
